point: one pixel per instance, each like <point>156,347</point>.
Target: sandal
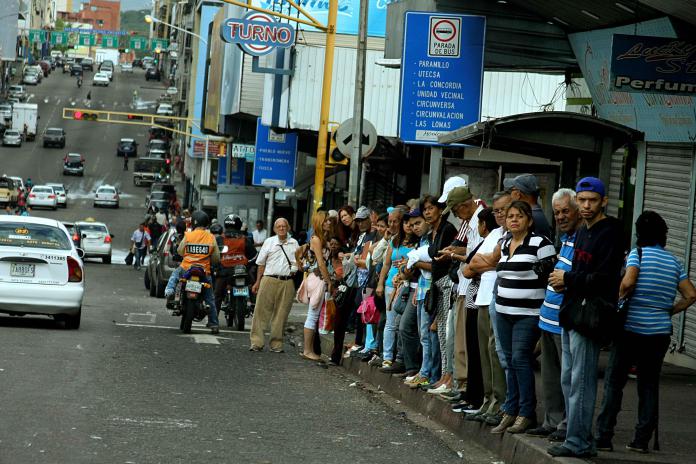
<point>304,356</point>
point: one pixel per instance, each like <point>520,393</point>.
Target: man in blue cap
<point>596,272</point>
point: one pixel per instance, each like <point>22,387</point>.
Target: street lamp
<point>151,19</point>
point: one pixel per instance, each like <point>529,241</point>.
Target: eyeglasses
<point>498,212</point>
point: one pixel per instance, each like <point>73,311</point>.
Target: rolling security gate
<point>668,191</point>
<point>615,179</point>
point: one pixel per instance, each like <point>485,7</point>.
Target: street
<point>128,387</point>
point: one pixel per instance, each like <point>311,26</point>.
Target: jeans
<point>552,393</point>
<point>493,314</point>
<point>370,338</point>
<point>208,294</point>
<point>579,383</point>
<point>391,327</point>
<point>426,369</point>
<point>139,257</point>
<point>647,353</point>
<point>518,336</point>
<point>408,335</point>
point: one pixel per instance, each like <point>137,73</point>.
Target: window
<point>18,234</point>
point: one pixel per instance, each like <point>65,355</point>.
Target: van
<point>9,191</point>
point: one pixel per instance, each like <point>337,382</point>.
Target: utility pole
<point>358,108</point>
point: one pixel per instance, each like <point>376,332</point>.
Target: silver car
<point>18,92</point>
<point>30,78</point>
<point>95,240</point>
<point>106,195</point>
<point>61,194</point>
<point>12,137</point>
<point>41,270</point>
<point>43,195</point>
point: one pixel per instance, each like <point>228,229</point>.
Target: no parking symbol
<point>445,36</point>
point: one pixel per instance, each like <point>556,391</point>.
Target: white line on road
<point>177,328</point>
<point>203,338</point>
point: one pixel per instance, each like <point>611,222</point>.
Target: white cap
<point>451,183</point>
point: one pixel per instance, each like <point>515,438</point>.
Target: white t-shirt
<point>485,291</point>
<point>259,236</point>
<point>472,240</point>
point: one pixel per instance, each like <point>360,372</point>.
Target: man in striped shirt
<point>565,212</point>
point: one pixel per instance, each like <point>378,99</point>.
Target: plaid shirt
<point>423,282</point>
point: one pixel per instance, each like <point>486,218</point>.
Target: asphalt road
<point>128,387</point>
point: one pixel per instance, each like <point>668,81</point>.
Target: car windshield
<point>5,107</point>
<point>58,188</point>
<point>20,234</point>
<point>42,190</point>
<point>106,190</point>
<point>12,133</point>
<point>92,228</point>
<point>158,196</point>
<point>5,183</point>
<point>15,88</point>
<point>54,131</point>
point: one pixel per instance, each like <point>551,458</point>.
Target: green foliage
<point>134,21</point>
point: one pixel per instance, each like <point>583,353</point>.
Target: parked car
<point>12,137</point>
<point>153,74</point>
<point>129,146</point>
<point>161,264</point>
<point>126,68</point>
<point>76,70</point>
<point>100,78</point>
<point>157,153</point>
<point>159,200</point>
<point>44,196</point>
<point>162,187</point>
<point>158,133</point>
<point>74,163</point>
<point>45,67</point>
<point>18,92</point>
<point>106,195</point>
<point>41,270</point>
<point>54,136</point>
<point>87,64</point>
<point>165,109</point>
<point>5,111</point>
<point>61,194</point>
<point>95,240</point>
<point>30,78</point>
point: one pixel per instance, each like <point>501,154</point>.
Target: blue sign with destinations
<point>441,75</point>
<point>653,64</point>
<point>276,156</point>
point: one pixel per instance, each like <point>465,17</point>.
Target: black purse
<point>593,317</point>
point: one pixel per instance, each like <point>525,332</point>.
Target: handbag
<point>342,293</point>
<point>327,316</point>
<point>129,258</point>
<point>593,317</point>
<point>400,298</point>
<point>368,311</point>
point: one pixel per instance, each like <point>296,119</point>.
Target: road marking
<point>150,326</point>
<point>145,318</point>
<point>165,423</point>
<point>203,338</point>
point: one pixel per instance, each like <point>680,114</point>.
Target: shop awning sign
<point>653,64</point>
<point>257,33</point>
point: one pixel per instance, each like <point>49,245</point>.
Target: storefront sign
<point>276,157</point>
<point>215,149</point>
<point>240,150</point>
<point>653,64</point>
<point>257,33</point>
<point>441,75</point>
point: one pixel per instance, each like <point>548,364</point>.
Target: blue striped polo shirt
<point>548,315</point>
<point>649,309</point>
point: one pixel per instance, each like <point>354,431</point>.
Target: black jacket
<point>444,236</point>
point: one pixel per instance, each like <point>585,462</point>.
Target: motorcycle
<point>188,297</point>
<point>237,304</point>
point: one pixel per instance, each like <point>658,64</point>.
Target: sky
<point>135,4</point>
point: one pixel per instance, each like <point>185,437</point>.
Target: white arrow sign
<point>344,137</point>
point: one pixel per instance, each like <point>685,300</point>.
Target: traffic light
<point>334,157</point>
<point>85,116</point>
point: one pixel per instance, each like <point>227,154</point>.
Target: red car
<point>45,67</point>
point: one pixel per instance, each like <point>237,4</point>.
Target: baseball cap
<point>415,213</point>
<point>591,184</point>
<point>362,213</point>
<point>525,183</point>
<point>456,196</point>
<point>451,183</point>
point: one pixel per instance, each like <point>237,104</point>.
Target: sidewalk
<point>677,421</point>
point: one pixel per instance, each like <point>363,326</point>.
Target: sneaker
<point>540,431</point>
<point>277,350</point>
<point>560,451</point>
<point>394,368</point>
<point>637,447</point>
<point>214,330</point>
<point>436,391</point>
<point>375,361</point>
<point>168,292</point>
<point>603,444</point>
<point>367,356</point>
<point>463,407</point>
<point>451,395</point>
<point>255,348</point>
<point>505,423</point>
<point>386,363</point>
<point>493,419</point>
<point>410,378</point>
<point>522,424</point>
<point>476,417</point>
<point>558,436</point>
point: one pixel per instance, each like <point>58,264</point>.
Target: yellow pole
<point>325,104</point>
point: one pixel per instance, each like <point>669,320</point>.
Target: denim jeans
<point>408,335</point>
<point>579,383</point>
<point>646,352</point>
<point>518,336</point>
<point>391,327</point>
<point>208,294</point>
<point>493,314</point>
<point>426,369</point>
<point>139,257</point>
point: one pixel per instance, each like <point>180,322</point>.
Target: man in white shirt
<point>259,235</point>
<point>274,287</point>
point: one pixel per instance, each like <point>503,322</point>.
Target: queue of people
<point>461,312</point>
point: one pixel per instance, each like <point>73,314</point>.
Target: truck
<point>25,115</point>
<point>106,54</point>
<point>147,170</point>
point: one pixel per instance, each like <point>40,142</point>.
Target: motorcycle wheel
<point>229,310</point>
<point>239,310</point>
<point>189,311</point>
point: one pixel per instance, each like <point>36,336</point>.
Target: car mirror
<point>80,252</point>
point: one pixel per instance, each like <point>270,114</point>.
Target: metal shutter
<point>667,191</point>
<point>614,194</point>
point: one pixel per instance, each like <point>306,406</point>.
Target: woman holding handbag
<point>653,277</point>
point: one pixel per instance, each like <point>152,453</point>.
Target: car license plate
<point>243,291</point>
<point>194,287</point>
<point>22,270</point>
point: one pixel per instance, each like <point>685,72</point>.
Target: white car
<point>18,92</point>
<point>61,194</point>
<point>41,270</point>
<point>108,70</point>
<point>42,195</point>
<point>165,109</point>
<point>126,67</point>
<point>95,240</point>
<point>100,78</point>
<point>30,78</point>
<point>5,111</point>
<point>12,137</point>
<point>106,195</point>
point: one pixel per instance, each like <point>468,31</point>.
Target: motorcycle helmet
<point>216,229</point>
<point>199,219</point>
<point>233,222</point>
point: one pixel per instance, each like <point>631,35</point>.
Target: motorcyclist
<point>198,248</point>
<point>29,184</point>
<point>240,249</point>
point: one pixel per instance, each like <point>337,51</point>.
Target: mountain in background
<point>127,5</point>
<point>133,21</point>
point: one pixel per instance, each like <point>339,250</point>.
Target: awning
<point>554,134</point>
